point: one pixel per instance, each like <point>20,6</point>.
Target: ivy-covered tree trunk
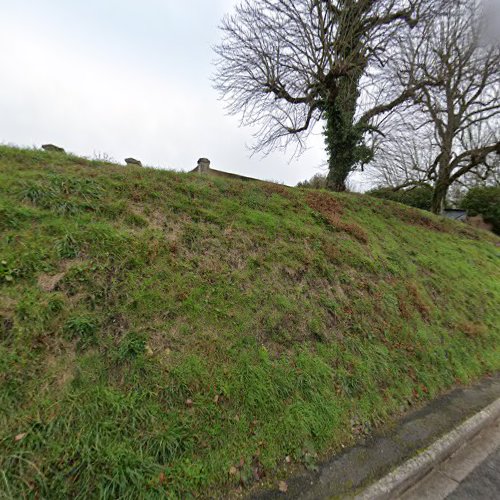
<point>343,136</point>
<point>340,144</point>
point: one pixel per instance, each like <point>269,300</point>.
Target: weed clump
<point>131,346</point>
<point>83,329</point>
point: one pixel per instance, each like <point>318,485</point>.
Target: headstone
<point>133,161</point>
<point>52,148</point>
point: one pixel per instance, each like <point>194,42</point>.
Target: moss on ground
<point>165,332</point>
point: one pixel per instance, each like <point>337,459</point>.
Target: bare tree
<point>457,118</point>
<point>481,177</point>
<point>403,153</point>
<point>287,64</point>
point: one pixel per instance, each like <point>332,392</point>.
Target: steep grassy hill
<point>164,332</point>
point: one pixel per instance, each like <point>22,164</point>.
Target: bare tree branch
<point>285,65</point>
<point>457,104</point>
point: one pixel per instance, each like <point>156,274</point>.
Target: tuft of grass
<point>131,346</point>
<point>81,328</point>
<point>169,334</point>
<point>67,247</point>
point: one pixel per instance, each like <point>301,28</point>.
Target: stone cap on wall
<point>203,165</point>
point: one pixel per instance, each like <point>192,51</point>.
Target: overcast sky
<point>127,78</point>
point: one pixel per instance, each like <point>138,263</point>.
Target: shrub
<point>418,197</point>
<point>317,181</point>
<point>484,201</point>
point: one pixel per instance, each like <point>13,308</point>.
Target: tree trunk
<point>439,196</point>
<point>341,135</point>
<point>443,178</point>
<point>343,138</point>
<point>340,151</point>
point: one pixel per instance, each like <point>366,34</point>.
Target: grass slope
<point>163,332</point>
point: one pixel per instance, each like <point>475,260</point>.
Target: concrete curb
<point>398,481</point>
<point>345,474</point>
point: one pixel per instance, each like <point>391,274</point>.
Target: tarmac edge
<point>406,475</point>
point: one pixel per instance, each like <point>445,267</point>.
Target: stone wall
<point>203,168</point>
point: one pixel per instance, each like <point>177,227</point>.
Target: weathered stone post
<point>203,165</point>
<point>133,161</point>
<point>52,148</point>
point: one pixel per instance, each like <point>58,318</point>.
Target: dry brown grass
<point>471,329</point>
<point>325,204</point>
<point>332,252</point>
<point>410,299</point>
<point>404,307</point>
<point>421,305</point>
<point>49,282</point>
<point>427,220</point>
<point>332,210</point>
<point>61,365</point>
<point>155,218</point>
<point>272,188</point>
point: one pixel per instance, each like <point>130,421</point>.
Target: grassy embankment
<point>167,332</point>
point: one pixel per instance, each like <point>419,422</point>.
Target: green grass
<point>168,333</point>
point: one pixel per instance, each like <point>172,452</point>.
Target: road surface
<point>472,472</point>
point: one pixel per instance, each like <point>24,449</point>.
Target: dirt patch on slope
<point>49,282</point>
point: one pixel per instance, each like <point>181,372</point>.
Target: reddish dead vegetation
<point>285,192</point>
<point>422,307</point>
<point>472,330</point>
<point>411,299</point>
<point>332,210</point>
<point>324,204</point>
<point>332,253</point>
<point>412,216</point>
<point>416,217</point>
<point>232,188</point>
<point>271,188</point>
<point>404,310</point>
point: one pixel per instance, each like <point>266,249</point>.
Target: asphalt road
<point>482,483</point>
<point>471,473</point>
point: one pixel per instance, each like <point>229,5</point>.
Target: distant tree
<point>484,201</point>
<point>403,154</point>
<point>403,160</point>
<point>287,64</point>
<point>416,196</point>
<point>317,181</point>
<point>481,177</point>
<point>453,133</point>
